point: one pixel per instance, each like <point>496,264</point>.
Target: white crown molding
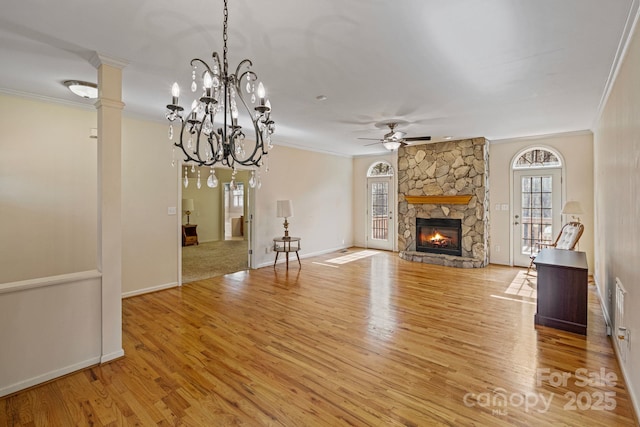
<point>284,143</point>
<point>623,47</point>
<point>48,99</point>
<point>98,59</point>
<point>543,136</point>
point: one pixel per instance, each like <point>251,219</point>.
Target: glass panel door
<point>536,212</point>
<point>380,214</point>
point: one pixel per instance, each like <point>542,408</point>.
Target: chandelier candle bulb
<point>194,108</point>
<point>261,93</point>
<point>207,81</point>
<point>234,117</point>
<point>175,93</point>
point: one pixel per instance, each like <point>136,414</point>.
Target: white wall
<point>360,167</point>
<point>320,187</point>
<point>577,152</point>
<point>49,328</point>
<point>617,201</point>
<point>48,189</point>
<point>150,236</point>
<point>50,290</point>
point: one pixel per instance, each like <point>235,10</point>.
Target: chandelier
<point>205,142</point>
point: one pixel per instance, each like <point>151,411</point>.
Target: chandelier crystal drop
<point>210,134</point>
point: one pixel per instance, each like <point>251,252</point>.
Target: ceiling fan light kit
<point>391,145</point>
<point>394,139</point>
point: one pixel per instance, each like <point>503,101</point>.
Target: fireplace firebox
<point>439,236</point>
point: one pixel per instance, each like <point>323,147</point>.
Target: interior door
<point>536,211</point>
<point>380,215</point>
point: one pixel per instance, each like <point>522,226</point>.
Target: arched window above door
<point>537,158</point>
<point>380,169</point>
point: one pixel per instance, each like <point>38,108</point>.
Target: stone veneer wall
<point>446,168</point>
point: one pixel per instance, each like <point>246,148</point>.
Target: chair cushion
<point>568,237</point>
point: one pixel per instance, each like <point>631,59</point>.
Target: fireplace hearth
<point>439,236</point>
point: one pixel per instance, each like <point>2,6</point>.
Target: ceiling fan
<point>395,138</point>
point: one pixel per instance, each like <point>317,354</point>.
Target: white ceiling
<point>462,68</point>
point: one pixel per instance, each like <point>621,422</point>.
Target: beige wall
<point>577,152</point>
<point>149,187</point>
<point>320,187</point>
<point>617,201</point>
<point>48,189</point>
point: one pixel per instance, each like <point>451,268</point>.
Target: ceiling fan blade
<point>371,139</point>
<point>375,143</point>
<point>418,138</point>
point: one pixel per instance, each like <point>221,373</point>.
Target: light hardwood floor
<point>375,341</point>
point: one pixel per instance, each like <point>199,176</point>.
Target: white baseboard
<point>48,376</point>
<point>151,289</point>
<point>305,255</point>
<point>112,356</point>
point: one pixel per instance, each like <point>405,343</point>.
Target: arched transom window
<point>380,169</point>
<point>537,158</point>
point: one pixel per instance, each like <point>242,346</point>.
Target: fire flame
<point>436,237</point>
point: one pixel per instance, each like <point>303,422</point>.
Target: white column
<point>109,106</point>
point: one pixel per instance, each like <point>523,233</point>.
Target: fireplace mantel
<point>439,200</point>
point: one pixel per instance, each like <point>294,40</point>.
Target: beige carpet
<point>212,259</point>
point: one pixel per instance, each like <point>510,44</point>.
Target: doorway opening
<point>221,215</point>
<point>234,211</point>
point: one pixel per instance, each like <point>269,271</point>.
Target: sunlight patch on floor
<point>521,289</point>
<point>513,299</point>
<point>523,285</point>
<point>352,257</point>
<point>325,265</point>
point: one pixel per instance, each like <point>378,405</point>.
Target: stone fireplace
<point>445,181</point>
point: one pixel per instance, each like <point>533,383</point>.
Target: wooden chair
<point>567,239</point>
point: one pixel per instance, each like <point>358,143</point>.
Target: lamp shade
<point>572,208</point>
<point>284,209</point>
<point>187,205</point>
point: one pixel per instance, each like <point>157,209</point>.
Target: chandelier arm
<point>248,64</point>
<point>259,144</point>
<point>216,57</point>
<point>180,144</point>
<point>194,61</point>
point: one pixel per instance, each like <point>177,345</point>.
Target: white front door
<point>380,214</point>
<point>536,211</point>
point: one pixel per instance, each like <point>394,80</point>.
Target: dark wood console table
<point>562,290</point>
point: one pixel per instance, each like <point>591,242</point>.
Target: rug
<point>211,259</point>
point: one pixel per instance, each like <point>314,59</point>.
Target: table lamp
<point>572,208</point>
<point>187,207</point>
<point>285,210</point>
